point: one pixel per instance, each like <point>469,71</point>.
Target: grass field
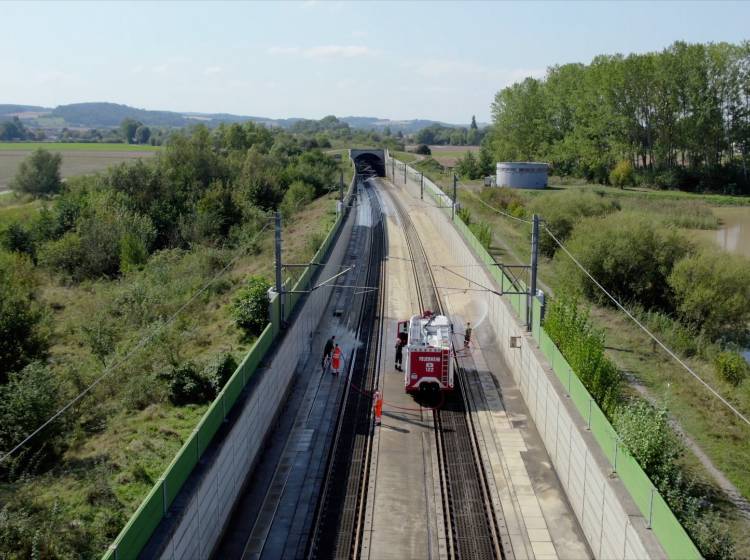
<point>77,147</point>
<point>77,159</point>
<point>447,156</point>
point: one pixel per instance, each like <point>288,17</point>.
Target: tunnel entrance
<point>369,162</point>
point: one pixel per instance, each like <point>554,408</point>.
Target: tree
<point>712,293</point>
<point>13,130</point>
<point>142,134</point>
<point>128,128</point>
<point>473,125</point>
<point>250,307</point>
<point>622,175</point>
<point>39,174</point>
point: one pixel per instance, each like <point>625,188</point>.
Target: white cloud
<point>325,51</point>
<point>159,69</point>
<point>359,34</point>
<point>212,70</point>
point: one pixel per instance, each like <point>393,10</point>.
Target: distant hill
<point>110,115</point>
<point>10,110</point>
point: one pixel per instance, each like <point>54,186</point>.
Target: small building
<point>522,174</point>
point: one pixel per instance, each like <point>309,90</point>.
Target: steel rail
<point>474,530</point>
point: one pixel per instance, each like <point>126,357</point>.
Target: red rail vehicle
<point>427,353</point>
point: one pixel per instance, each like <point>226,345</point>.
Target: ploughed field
<point>77,159</point>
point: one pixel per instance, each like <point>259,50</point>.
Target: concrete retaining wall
<point>203,517</point>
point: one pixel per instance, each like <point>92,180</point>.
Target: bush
<point>731,367</point>
<point>296,197</point>
<point>22,336</point>
<point>250,307</point>
<point>38,174</point>
<point>423,149</point>
<point>562,211</point>
<point>628,255</point>
<point>483,233</point>
<point>187,385</point>
<point>712,293</point>
<point>64,255</point>
<point>622,175</point>
<point>218,371</point>
<point>583,348</point>
<point>17,239</point>
<point>465,215</point>
<point>28,399</point>
<point>191,384</point>
<point>646,434</point>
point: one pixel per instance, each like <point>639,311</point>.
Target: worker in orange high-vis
<point>336,360</point>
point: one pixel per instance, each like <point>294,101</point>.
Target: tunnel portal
<point>369,162</point>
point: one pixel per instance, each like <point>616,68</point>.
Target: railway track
<point>338,526</point>
<point>471,524</point>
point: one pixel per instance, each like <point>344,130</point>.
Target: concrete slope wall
<point>202,521</point>
<point>611,521</point>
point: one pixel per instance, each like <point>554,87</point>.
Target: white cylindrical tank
<point>522,175</point>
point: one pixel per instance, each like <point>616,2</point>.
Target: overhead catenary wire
<point>141,344</point>
<point>648,332</point>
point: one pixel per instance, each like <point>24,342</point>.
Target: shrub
<point>218,371</point>
<point>187,385</point>
<point>465,215</point>
<point>583,347</point>
<point>297,196</point>
<point>622,175</point>
<point>646,433</point>
<point>731,367</point>
<point>38,174</point>
<point>423,149</point>
<point>712,293</point>
<point>483,233</point>
<point>250,307</point>
<point>562,211</point>
<point>314,242</point>
<point>628,255</point>
<point>17,239</point>
<point>64,255</point>
<point>22,336</point>
<point>28,399</point>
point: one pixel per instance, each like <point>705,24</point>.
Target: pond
<point>734,233</point>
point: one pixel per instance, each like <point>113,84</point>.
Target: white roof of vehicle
<point>435,331</point>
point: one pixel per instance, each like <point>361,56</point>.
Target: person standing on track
<point>327,351</point>
<point>467,335</point>
<point>336,360</point>
<point>399,352</point>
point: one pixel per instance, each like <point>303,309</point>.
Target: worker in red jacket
<point>336,360</point>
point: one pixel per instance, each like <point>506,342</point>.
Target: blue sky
<point>437,60</point>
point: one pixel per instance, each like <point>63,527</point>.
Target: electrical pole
<point>404,174</point>
<point>532,287</point>
<point>341,187</point>
<point>277,250</point>
<point>453,206</point>
<point>421,186</point>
